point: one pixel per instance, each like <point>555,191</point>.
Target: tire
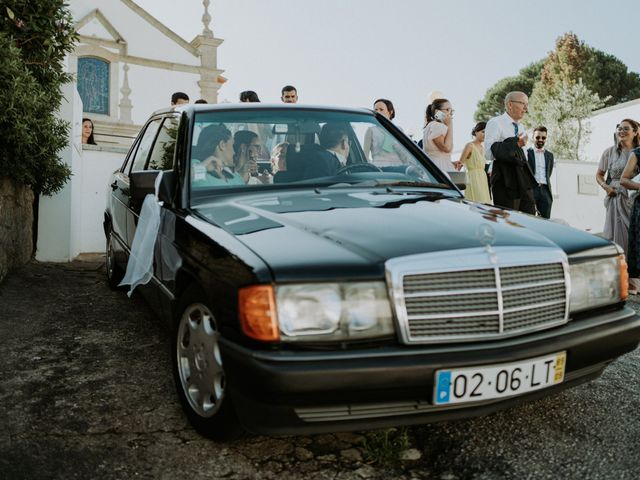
<point>198,371</point>
<point>114,272</point>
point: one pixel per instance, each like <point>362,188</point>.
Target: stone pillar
<point>208,82</point>
<point>207,46</point>
<point>125,101</point>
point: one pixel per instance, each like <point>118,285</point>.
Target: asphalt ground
<point>86,392</point>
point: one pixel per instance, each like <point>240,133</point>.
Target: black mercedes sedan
<point>320,273</point>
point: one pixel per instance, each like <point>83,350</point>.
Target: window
<point>164,148</point>
<point>315,147</point>
<point>146,143</point>
<point>93,84</point>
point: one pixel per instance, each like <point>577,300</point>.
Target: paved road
<point>86,392</point>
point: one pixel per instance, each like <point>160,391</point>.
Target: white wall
<point>577,199</point>
<point>70,222</point>
<point>98,163</point>
<point>57,238</point>
<point>603,124</point>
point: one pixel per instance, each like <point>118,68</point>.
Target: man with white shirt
<point>541,163</point>
<point>512,181</point>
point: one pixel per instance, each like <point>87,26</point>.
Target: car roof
<point>210,107</point>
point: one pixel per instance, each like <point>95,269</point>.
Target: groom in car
<point>326,159</point>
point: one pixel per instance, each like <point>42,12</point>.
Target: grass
<point>385,446</point>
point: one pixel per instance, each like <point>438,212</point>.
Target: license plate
<point>485,382</point>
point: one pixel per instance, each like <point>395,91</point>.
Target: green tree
<point>562,101</point>
<point>606,75</point>
<point>601,73</point>
<point>565,115</point>
<point>493,102</point>
<point>34,39</point>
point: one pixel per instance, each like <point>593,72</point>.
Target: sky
<point>351,52</point>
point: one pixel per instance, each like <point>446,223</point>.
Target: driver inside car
<point>326,159</point>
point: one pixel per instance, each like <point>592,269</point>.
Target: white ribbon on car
<point>140,264</point>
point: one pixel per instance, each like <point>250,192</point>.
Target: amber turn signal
<point>624,277</point>
<point>257,310</point>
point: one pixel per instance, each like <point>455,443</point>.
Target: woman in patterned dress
<point>617,202</point>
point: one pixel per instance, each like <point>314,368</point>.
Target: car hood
<point>317,233</point>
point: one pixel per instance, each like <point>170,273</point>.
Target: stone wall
<point>16,221</point>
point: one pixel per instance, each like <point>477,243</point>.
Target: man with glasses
<point>512,181</point>
<point>541,163</point>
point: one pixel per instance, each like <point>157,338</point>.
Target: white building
<point>603,125</point>
<point>126,65</point>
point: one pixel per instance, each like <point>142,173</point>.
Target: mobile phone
<point>440,115</point>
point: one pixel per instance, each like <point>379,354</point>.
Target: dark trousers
<point>543,198</point>
<point>525,203</point>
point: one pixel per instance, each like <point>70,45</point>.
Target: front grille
<point>505,292</point>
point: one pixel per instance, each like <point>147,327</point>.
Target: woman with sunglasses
<point>617,202</point>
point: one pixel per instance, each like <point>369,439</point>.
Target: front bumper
<point>284,392</point>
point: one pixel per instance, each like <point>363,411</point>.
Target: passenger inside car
<point>279,158</point>
<point>247,148</point>
<point>212,158</point>
<point>326,159</point>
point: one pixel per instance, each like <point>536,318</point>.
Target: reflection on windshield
<point>256,148</point>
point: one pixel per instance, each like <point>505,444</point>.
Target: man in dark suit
<point>541,163</point>
<point>512,181</point>
<point>326,159</point>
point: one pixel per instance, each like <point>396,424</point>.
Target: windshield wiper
<point>404,183</point>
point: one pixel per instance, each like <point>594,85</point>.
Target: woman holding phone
<point>437,139</point>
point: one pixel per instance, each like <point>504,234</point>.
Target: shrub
<point>34,39</point>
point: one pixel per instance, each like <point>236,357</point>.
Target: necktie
<point>515,128</point>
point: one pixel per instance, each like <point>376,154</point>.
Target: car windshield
<point>271,148</point>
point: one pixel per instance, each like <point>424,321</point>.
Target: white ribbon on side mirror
<point>140,264</point>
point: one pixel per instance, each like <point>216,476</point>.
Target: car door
<point>159,156</point>
<point>119,199</point>
<point>139,162</point>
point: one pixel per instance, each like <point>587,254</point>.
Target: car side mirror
<point>141,184</point>
<point>144,183</point>
<point>167,186</point>
<point>459,179</point>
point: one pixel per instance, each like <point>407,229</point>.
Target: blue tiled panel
<point>93,84</point>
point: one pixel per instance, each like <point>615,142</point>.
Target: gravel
<point>86,392</point>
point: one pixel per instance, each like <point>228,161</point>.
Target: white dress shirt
<point>541,166</point>
<point>499,129</point>
<point>341,158</point>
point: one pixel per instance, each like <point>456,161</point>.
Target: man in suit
<point>326,159</point>
<point>512,181</point>
<point>541,163</point>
